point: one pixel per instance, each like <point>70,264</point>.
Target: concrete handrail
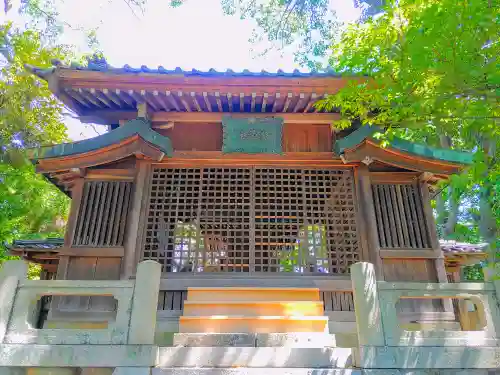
<point>377,320</point>
<point>135,317</point>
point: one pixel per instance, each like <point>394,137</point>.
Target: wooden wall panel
<point>307,138</point>
<point>105,269</point>
<point>79,268</point>
<point>415,270</point>
<point>410,270</point>
<point>90,268</point>
<point>195,137</point>
<point>208,137</point>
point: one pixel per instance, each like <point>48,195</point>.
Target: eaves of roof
<point>367,132</point>
<point>139,126</point>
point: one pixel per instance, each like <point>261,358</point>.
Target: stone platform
<point>273,357</point>
<point>290,340</point>
<point>316,371</point>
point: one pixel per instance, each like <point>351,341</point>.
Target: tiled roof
<point>47,244</point>
<point>452,247</point>
<point>138,127</point>
<point>367,132</point>
<point>103,66</point>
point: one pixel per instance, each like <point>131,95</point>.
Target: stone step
<point>262,371</point>
<point>253,308</point>
<point>252,294</point>
<point>290,340</point>
<point>232,357</point>
<point>252,324</point>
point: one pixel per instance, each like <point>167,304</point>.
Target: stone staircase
<point>254,331</point>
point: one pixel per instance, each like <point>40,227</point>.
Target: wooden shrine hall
<point>229,178</point>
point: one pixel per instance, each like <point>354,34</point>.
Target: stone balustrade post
<point>144,303</point>
<point>11,273</point>
<point>495,317</point>
<point>367,305</point>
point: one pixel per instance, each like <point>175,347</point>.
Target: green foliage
<point>30,115</point>
<point>30,207</point>
<point>433,68</point>
<point>433,65</point>
<point>474,273</point>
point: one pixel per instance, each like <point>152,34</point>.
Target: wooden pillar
<point>76,199</point>
<point>434,240</point>
<point>136,219</point>
<point>367,223</point>
<point>431,229</point>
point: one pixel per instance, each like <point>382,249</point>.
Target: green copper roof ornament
<point>139,126</point>
<point>368,132</point>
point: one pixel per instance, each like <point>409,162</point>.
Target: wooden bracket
<point>144,110</point>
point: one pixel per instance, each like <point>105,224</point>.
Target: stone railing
<point>128,340</point>
<point>384,344</point>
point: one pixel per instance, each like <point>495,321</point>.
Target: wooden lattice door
<point>254,219</point>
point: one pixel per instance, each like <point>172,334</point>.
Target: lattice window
<point>103,214</point>
<point>400,216</point>
<point>252,220</point>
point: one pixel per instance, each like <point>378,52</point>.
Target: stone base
<point>278,357</point>
<point>21,355</point>
<point>255,371</point>
<point>315,371</point>
<point>427,357</point>
<point>290,340</point>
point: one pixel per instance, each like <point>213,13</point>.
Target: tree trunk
<point>449,220</point>
<point>451,223</point>
<point>441,212</point>
<point>441,209</point>
<point>487,221</point>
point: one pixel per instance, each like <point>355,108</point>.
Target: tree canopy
<point>432,75</point>
<point>30,116</point>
